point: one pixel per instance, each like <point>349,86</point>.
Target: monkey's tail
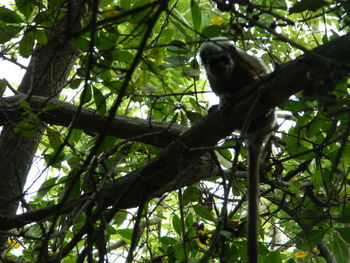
<point>254,152</point>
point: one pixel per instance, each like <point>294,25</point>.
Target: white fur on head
<point>216,56</point>
<point>215,44</point>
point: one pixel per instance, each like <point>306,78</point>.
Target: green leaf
<point>340,249</point>
<point>3,85</point>
<point>295,106</point>
<point>345,233</point>
<point>279,4</point>
<point>26,44</point>
<point>41,37</point>
<point>176,61</point>
<point>300,152</point>
<point>346,6</point>
<point>125,4</point>
<point>46,186</point>
<point>179,27</point>
<point>82,44</point>
<point>100,101</point>
<point>110,230</point>
<point>299,147</point>
<point>204,213</point>
<point>75,136</point>
<point>76,187</point>
<point>306,5</point>
<point>120,217</point>
<point>190,194</point>
<point>51,107</point>
<point>107,142</point>
<point>178,47</point>
<point>55,3</point>
<point>312,239</point>
<point>73,161</point>
<point>106,41</point>
<point>177,224</point>
<point>211,31</point>
<point>55,162</point>
<point>86,95</point>
<point>226,234</point>
<point>54,138</point>
<point>179,252</point>
<point>168,240</point>
<point>122,56</point>
<point>26,7</point>
<point>191,72</point>
<point>193,116</point>
<point>28,127</point>
<point>196,14</point>
<point>273,257</point>
<point>139,16</point>
<point>75,83</point>
<point>105,3</point>
<point>126,234</point>
<point>8,32</point>
<point>166,35</point>
<point>189,220</point>
<point>46,17</point>
<point>25,105</point>
<point>9,16</point>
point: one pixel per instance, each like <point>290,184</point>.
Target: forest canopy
<point>108,152</point>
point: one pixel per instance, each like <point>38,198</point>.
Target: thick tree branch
<point>135,129</point>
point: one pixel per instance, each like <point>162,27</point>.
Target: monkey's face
<point>217,57</point>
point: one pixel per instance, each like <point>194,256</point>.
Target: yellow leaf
<point>232,223</point>
<point>200,244</point>
<point>301,254</point>
<point>217,20</point>
<point>112,12</point>
<point>12,243</point>
<point>315,250</point>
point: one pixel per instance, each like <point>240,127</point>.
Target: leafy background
<point>138,59</point>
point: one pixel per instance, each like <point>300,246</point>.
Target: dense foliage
<point>137,59</point>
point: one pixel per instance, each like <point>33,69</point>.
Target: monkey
<point>228,70</point>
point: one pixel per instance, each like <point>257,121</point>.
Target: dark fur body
<point>230,69</point>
